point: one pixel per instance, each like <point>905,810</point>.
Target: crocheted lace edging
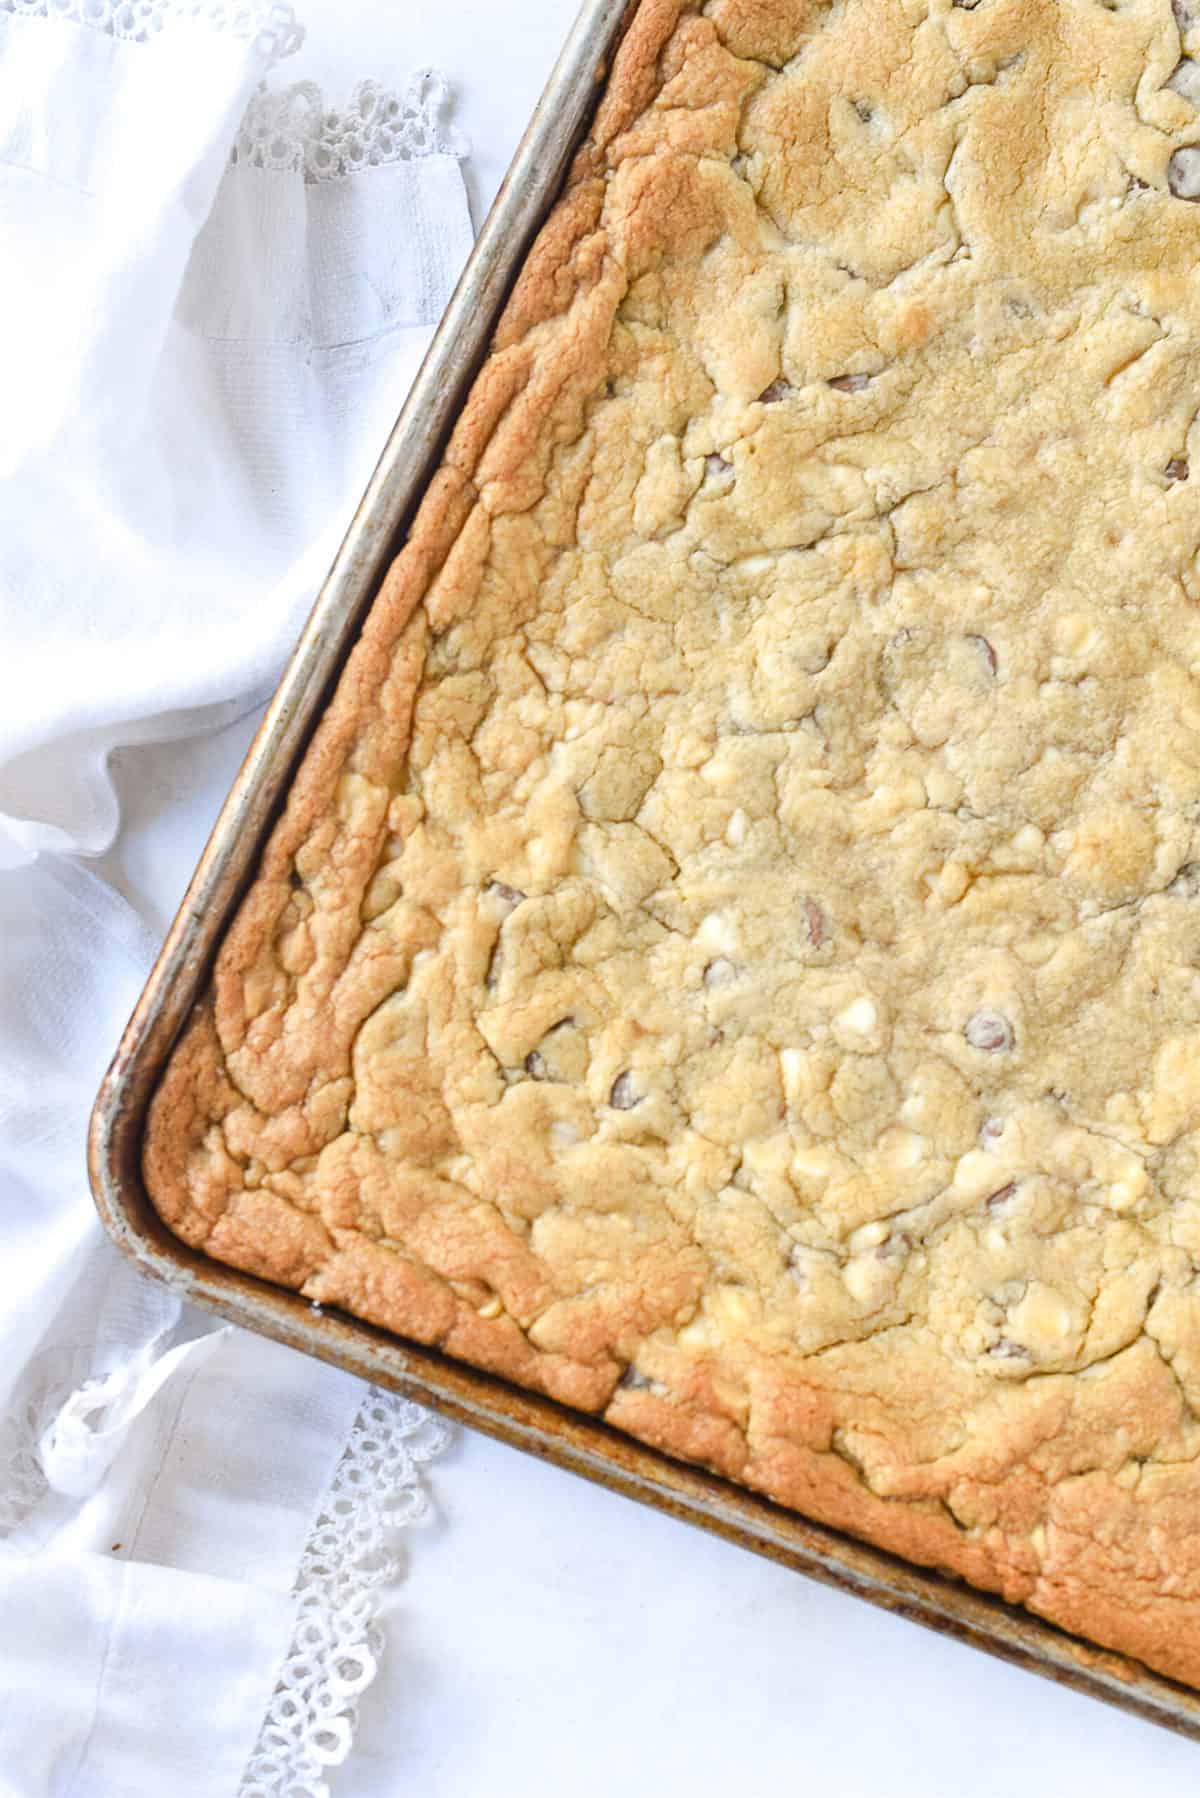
<point>377,1489</point>
<point>270,24</point>
<point>294,130</point>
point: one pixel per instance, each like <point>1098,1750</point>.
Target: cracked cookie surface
<point>731,956</point>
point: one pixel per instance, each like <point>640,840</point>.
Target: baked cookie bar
<point>731,956</point>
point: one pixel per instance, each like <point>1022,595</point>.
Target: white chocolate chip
<point>975,1174</point>
<point>1042,1319</point>
<point>716,935</point>
<point>697,1334</point>
<point>812,1169</point>
<point>856,1026</point>
<point>1022,853</point>
<point>1124,1193</point>
<point>942,788</point>
<point>902,1148</point>
<point>868,1236</point>
<point>1075,634</point>
<point>732,1307</point>
<point>952,882</point>
<point>867,1280</point>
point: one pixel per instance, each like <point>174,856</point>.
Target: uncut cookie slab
<point>731,957</point>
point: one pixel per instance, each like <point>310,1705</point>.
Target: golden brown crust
<point>728,958</point>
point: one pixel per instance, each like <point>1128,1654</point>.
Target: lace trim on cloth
<point>270,24</point>
<point>377,1489</point>
<point>46,1385</point>
<point>293,130</point>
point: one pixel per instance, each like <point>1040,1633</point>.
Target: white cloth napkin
<point>213,300</point>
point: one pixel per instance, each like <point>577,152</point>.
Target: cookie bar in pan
<point>729,959</point>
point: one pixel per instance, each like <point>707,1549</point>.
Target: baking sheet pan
<point>569,1439</point>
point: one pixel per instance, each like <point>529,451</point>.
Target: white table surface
<point>551,1638</point>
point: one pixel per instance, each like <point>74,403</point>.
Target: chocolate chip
<point>1184,80</point>
<point>634,1381</point>
<point>865,111</point>
<point>1177,469</point>
<point>535,1066</point>
<point>1001,1198</point>
<point>985,649</point>
<point>1183,173</point>
<point>988,1031</point>
<point>814,921</point>
<point>905,657</point>
<point>623,1097</point>
<point>1186,884</point>
<point>719,972</point>
<point>849,383</point>
<point>777,391</point>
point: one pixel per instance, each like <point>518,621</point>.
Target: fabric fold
<point>202,402</point>
<point>201,353</point>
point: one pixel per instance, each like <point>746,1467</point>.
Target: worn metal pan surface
<point>485,1402</point>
